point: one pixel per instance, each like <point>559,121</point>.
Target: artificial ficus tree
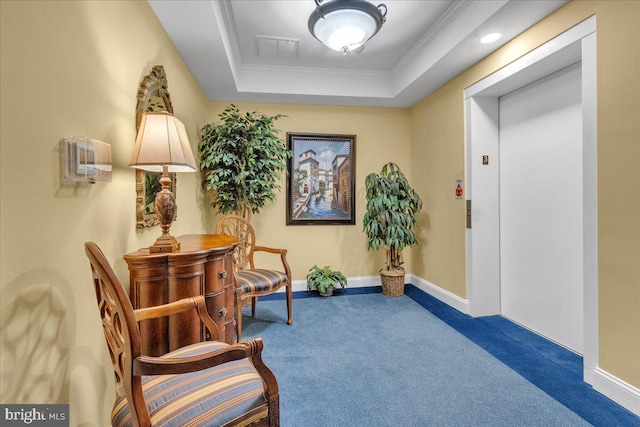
<point>392,206</point>
<point>241,160</point>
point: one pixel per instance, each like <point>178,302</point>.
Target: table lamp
<point>162,145</point>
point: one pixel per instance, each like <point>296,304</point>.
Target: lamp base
<point>165,243</point>
<point>165,209</point>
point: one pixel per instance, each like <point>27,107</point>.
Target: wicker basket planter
<point>392,282</point>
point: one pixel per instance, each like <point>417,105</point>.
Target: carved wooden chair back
<point>119,327</point>
<point>233,225</point>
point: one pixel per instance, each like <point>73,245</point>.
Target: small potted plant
<point>325,280</point>
<point>392,206</point>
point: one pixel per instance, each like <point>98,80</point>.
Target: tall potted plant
<point>389,220</point>
<point>241,159</point>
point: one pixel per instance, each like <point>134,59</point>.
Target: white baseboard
<point>460,304</point>
<point>624,394</point>
<point>447,297</point>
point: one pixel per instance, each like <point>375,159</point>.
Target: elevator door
<point>541,230</point>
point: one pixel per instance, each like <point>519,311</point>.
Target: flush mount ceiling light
<point>490,38</point>
<point>346,25</point>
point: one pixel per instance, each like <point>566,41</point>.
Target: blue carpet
<point>370,360</point>
<point>552,368</point>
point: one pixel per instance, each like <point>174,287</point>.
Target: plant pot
<point>392,282</point>
<point>328,293</point>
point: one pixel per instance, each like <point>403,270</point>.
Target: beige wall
<point>77,65</point>
<point>382,135</point>
<point>437,153</point>
<point>73,68</point>
<point>76,71</point>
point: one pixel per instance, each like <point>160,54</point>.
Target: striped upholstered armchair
<point>205,384</point>
<point>252,282</point>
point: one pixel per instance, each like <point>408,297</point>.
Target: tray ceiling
<point>261,50</point>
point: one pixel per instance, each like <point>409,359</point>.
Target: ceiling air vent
<point>276,47</point>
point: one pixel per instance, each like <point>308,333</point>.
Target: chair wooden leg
<point>289,303</point>
<point>253,306</point>
<point>239,320</point>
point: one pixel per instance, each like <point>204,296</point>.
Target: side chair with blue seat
<point>252,282</point>
<point>210,383</point>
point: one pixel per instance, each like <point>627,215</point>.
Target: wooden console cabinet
<point>202,266</point>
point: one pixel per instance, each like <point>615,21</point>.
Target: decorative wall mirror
<point>153,95</point>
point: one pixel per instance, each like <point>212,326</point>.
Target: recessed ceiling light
<point>490,38</point>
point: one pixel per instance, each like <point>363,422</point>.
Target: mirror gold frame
<point>153,95</point>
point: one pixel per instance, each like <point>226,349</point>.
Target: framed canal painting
<point>321,179</point>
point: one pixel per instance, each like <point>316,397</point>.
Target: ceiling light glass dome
<point>345,25</point>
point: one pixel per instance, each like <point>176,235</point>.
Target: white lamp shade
<point>349,28</point>
<point>162,141</point>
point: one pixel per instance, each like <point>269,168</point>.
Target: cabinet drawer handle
<point>222,312</point>
<point>222,274</point>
